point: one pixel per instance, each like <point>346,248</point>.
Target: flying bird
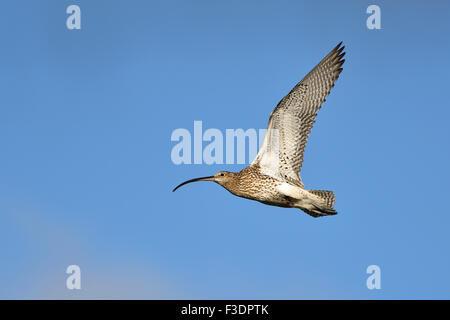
<point>273,177</point>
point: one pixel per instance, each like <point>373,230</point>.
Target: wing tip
<point>339,47</point>
<point>337,56</point>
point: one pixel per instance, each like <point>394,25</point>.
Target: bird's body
<point>251,183</point>
<point>273,176</point>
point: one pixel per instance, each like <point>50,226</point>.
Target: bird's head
<point>224,178</point>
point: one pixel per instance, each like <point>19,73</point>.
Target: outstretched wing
<point>290,123</point>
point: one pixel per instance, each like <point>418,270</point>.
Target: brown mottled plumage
<point>273,176</point>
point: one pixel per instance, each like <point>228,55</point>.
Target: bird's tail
<point>327,196</point>
<point>323,210</point>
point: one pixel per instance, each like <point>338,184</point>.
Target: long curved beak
<point>211,178</point>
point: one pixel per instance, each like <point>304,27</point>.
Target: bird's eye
<point>222,174</point>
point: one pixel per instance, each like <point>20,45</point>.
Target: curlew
<point>273,177</point>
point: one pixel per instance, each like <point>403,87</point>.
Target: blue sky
<point>86,175</point>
